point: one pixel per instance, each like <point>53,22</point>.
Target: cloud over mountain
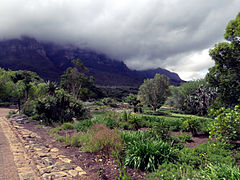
<point>143,33</point>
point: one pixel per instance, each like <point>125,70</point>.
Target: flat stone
<point>65,167</point>
<point>48,161</point>
<point>82,173</point>
<point>78,168</point>
<point>59,174</point>
<point>66,160</point>
<point>73,173</point>
<point>59,163</point>
<point>42,154</point>
<point>48,169</point>
<point>48,176</point>
<point>54,150</point>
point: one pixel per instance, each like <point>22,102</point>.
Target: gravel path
<point>8,170</point>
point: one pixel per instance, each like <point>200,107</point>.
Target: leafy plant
<point>161,129</point>
<point>98,139</point>
<point>60,109</point>
<point>184,137</point>
<point>192,124</point>
<point>226,125</point>
<point>220,171</point>
<point>204,154</point>
<point>82,125</point>
<point>146,153</point>
<point>169,171</point>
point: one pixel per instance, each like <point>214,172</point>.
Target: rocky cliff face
<point>50,61</point>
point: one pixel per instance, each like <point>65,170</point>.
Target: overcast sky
<point>171,34</point>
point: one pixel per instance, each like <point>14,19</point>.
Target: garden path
<point>8,169</point>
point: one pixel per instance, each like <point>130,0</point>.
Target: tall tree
<point>153,92</point>
<point>75,81</point>
<point>225,75</point>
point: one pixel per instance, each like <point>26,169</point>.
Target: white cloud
<point>143,33</point>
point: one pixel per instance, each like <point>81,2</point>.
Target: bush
<point>192,124</point>
<point>169,171</point>
<point>175,124</point>
<point>146,153</point>
<point>109,102</point>
<point>226,125</point>
<point>184,138</point>
<point>221,171</point>
<point>29,108</point>
<point>161,129</point>
<point>204,154</point>
<point>82,125</point>
<point>99,138</point>
<point>60,109</point>
<point>111,120</point>
<point>67,126</point>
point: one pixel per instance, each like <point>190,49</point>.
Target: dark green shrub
<point>126,125</point>
<point>109,102</point>
<point>125,116</point>
<point>156,113</point>
<point>146,153</point>
<point>60,109</point>
<point>192,124</point>
<point>161,129</point>
<point>226,125</point>
<point>205,153</point>
<point>112,120</point>
<point>29,108</point>
<point>135,122</point>
<point>184,137</point>
<point>175,124</point>
<point>82,125</point>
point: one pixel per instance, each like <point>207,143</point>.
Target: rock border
<point>45,160</point>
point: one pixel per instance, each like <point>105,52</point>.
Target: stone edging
<point>22,161</point>
<point>46,160</point>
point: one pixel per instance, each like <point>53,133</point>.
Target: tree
<point>153,92</point>
<point>179,96</point>
<point>132,100</point>
<point>25,80</point>
<point>225,76</point>
<point>75,81</point>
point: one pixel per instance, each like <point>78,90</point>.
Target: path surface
<point>8,169</point>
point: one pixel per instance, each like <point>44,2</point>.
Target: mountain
<point>50,61</point>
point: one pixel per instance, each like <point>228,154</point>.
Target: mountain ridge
<point>50,61</point>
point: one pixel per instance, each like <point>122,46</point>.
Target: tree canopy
<point>75,81</point>
<point>153,92</point>
<point>225,75</point>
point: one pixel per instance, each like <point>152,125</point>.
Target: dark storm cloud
<point>143,33</point>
